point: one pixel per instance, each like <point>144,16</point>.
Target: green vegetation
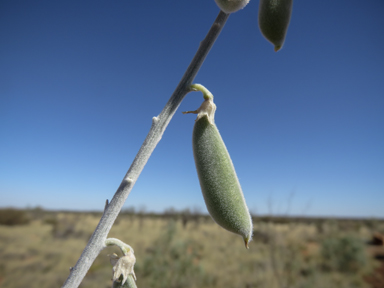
<point>345,254</point>
<point>189,250</point>
<point>171,254</point>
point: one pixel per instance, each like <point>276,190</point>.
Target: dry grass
<point>200,254</point>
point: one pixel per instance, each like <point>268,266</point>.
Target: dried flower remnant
<point>123,266</point>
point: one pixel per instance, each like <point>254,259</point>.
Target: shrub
<point>12,217</point>
<point>345,254</point>
<point>170,254</point>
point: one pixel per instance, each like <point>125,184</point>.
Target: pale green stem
<point>125,248</point>
<point>206,93</point>
<point>97,241</point>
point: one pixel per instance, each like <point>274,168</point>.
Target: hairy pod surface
<point>230,6</point>
<point>218,180</point>
<point>274,17</point>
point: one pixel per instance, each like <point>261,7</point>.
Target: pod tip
<point>246,241</point>
<point>277,48</point>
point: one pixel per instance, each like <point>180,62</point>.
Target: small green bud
<point>218,180</point>
<point>274,17</point>
<point>230,6</point>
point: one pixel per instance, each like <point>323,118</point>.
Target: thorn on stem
<point>155,120</point>
<point>190,112</point>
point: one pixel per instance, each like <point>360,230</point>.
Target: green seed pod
<point>218,180</point>
<point>230,6</point>
<point>274,17</point>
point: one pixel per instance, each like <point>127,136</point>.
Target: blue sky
<point>81,80</point>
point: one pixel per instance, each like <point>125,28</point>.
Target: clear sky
<point>81,80</point>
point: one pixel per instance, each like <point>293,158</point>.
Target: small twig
<point>97,241</point>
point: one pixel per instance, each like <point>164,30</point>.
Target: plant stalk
<point>97,241</point>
